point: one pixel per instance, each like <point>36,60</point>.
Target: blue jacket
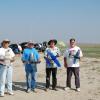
<point>26,57</point>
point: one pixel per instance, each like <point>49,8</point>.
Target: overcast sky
<point>40,20</point>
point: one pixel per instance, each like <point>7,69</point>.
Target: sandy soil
<point>90,83</point>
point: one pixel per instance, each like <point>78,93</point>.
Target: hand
<point>39,61</point>
<point>47,58</point>
<point>57,55</point>
<point>35,62</point>
<point>12,60</point>
<point>24,62</point>
<point>1,59</point>
<point>76,57</point>
<point>65,65</point>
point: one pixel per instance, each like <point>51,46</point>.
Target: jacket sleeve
<point>24,56</point>
<point>37,55</point>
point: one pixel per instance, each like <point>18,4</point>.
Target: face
<point>52,44</point>
<point>30,45</point>
<point>5,44</point>
<point>72,43</point>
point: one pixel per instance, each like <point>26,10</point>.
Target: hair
<point>72,39</point>
<point>2,43</point>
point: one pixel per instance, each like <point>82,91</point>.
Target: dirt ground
<point>89,77</point>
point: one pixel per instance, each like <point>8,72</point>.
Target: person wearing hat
<point>30,58</point>
<point>50,55</point>
<point>6,59</point>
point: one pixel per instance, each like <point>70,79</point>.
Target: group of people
<point>31,58</point>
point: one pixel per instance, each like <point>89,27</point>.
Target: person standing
<point>72,56</point>
<point>6,59</point>
<point>30,58</point>
<point>50,55</point>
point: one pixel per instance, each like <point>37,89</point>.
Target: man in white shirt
<point>6,59</point>
<point>72,57</point>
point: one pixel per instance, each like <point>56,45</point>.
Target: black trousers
<point>70,71</point>
<point>54,79</point>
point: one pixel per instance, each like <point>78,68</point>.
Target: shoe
<point>78,89</point>
<point>34,90</point>
<point>67,88</point>
<point>1,95</point>
<point>55,89</point>
<point>28,90</point>
<point>46,89</point>
<point>10,93</point>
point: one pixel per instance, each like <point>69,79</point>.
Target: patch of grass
<point>89,50</point>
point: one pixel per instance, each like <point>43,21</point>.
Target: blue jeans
<point>31,76</point>
<point>5,76</point>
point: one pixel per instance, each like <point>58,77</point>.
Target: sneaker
<point>46,89</point>
<point>78,89</point>
<point>28,90</point>
<point>1,95</point>
<point>67,88</point>
<point>10,93</point>
<point>34,90</point>
<point>55,89</point>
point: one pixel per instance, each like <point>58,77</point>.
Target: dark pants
<point>70,71</point>
<point>54,79</point>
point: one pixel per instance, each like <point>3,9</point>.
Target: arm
<point>24,57</point>
<point>65,59</point>
<point>13,59</point>
<point>1,58</point>
<point>46,54</point>
<point>1,61</point>
<point>81,54</point>
<point>58,53</point>
<point>38,57</point>
<point>65,62</point>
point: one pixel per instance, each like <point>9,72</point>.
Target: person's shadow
<point>40,85</point>
<point>19,86</point>
<point>22,86</point>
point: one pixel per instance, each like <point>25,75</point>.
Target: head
<point>52,43</point>
<point>72,42</point>
<point>5,43</point>
<point>30,44</point>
